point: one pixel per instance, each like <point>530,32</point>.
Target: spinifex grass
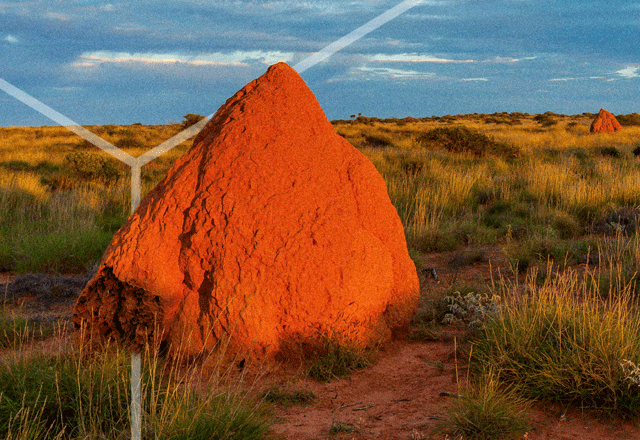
<point>64,395</point>
<point>17,331</point>
<point>333,359</point>
<point>565,343</point>
<point>276,394</point>
<point>559,185</point>
<point>57,233</point>
<point>488,411</point>
<point>71,394</point>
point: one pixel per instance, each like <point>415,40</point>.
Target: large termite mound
<point>272,229</point>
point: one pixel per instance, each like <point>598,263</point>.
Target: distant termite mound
<point>605,122</point>
<point>272,229</point>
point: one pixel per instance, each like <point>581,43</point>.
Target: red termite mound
<point>605,122</point>
<point>271,230</point>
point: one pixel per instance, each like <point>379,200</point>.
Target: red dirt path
<point>400,398</point>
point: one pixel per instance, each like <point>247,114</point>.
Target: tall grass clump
<point>64,396</point>
<point>488,411</point>
<point>16,330</point>
<point>564,343</point>
<point>56,232</point>
<point>73,394</point>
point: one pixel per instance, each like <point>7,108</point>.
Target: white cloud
<point>238,58</point>
<point>68,89</point>
<point>11,39</point>
<point>507,60</point>
<point>384,72</point>
<point>57,16</point>
<point>474,79</point>
<point>413,58</point>
<point>564,79</point>
<point>629,72</point>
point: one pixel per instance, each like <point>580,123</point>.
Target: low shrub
<point>191,119</point>
<point>14,329</point>
<point>545,119</point>
<point>474,309</point>
<point>459,139</point>
<point>610,152</point>
<point>378,140</point>
<point>129,142</point>
<point>61,252</point>
<point>628,120</point>
<point>427,322</point>
<point>78,395</point>
<point>85,166</point>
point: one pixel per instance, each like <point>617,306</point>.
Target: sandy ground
<point>403,396</point>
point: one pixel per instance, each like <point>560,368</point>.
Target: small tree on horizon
<point>191,119</point>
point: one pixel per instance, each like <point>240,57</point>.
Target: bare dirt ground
<point>403,395</point>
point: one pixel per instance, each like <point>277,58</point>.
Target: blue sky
<point>154,61</point>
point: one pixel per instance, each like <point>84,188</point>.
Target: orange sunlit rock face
<point>272,229</point>
<point>605,122</point>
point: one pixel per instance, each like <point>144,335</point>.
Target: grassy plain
<point>561,204</point>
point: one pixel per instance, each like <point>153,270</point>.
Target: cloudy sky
<point>154,61</point>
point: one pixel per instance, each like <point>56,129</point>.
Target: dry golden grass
<point>558,169</point>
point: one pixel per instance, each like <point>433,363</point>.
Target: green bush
<point>609,152</point>
<point>76,395</point>
<point>629,120</point>
<point>63,395</point>
<point>61,252</point>
<point>129,142</point>
<point>460,139</point>
<point>545,119</point>
<point>427,322</point>
<point>275,394</point>
<point>86,165</point>
<point>378,140</point>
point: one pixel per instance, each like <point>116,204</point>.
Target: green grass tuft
<point>333,360</point>
<point>275,394</point>
<point>488,411</point>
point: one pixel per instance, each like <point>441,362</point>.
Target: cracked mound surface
<point>272,229</point>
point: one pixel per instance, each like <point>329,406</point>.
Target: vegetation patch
<point>566,344</point>
<point>460,139</point>
<point>276,394</point>
<point>332,359</point>
<point>76,395</point>
<point>88,165</point>
<point>488,411</point>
